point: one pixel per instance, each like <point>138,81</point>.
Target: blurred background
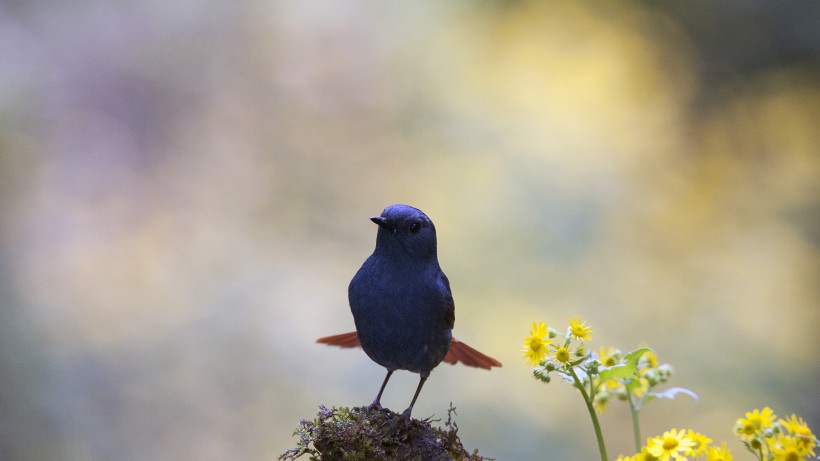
<point>185,190</point>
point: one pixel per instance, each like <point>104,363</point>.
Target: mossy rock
<point>361,433</point>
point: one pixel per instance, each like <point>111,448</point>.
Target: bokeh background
<point>185,190</point>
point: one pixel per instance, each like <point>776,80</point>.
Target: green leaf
<point>627,369</point>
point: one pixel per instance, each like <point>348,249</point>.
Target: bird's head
<point>407,230</point>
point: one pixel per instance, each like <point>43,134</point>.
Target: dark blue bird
<point>402,304</point>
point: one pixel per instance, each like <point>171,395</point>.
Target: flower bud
<point>665,371</point>
<point>581,350</point>
<point>756,443</point>
<point>651,375</point>
<point>541,375</point>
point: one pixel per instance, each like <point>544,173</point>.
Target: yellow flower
<point>535,345</point>
<point>802,434</point>
<point>644,455</point>
<point>785,448</point>
<point>609,356</point>
<point>701,442</point>
<point>672,444</point>
<point>601,400</point>
<point>718,454</point>
<point>641,388</point>
<point>648,361</point>
<point>562,356</point>
<point>755,423</point>
<point>579,328</point>
<point>611,389</point>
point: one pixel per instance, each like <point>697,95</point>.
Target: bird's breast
<point>400,317</point>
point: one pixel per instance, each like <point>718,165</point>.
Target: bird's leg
<point>377,403</point>
<point>409,409</point>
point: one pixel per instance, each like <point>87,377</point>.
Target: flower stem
<point>591,409</point>
<point>636,425</point>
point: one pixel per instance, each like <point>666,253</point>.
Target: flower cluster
<point>770,439</point>
<point>539,348</point>
<point>638,389</point>
<point>609,373</point>
<point>633,377</point>
<point>679,445</point>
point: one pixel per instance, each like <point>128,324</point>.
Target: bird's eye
<point>415,227</point>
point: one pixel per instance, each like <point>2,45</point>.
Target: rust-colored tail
<point>459,351</point>
<point>343,340</point>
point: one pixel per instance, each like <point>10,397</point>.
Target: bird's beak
<point>384,223</point>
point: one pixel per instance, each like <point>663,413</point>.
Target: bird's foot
<point>406,414</point>
<point>376,405</point>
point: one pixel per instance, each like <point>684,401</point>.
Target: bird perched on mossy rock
<point>402,304</point>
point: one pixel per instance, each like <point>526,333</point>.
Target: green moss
<point>360,434</point>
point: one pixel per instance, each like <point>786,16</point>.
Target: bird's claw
<point>405,416</point>
<point>376,405</point>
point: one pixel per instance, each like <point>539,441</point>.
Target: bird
<point>402,304</point>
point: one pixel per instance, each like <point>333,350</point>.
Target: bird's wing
<point>458,352</point>
<point>450,314</point>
